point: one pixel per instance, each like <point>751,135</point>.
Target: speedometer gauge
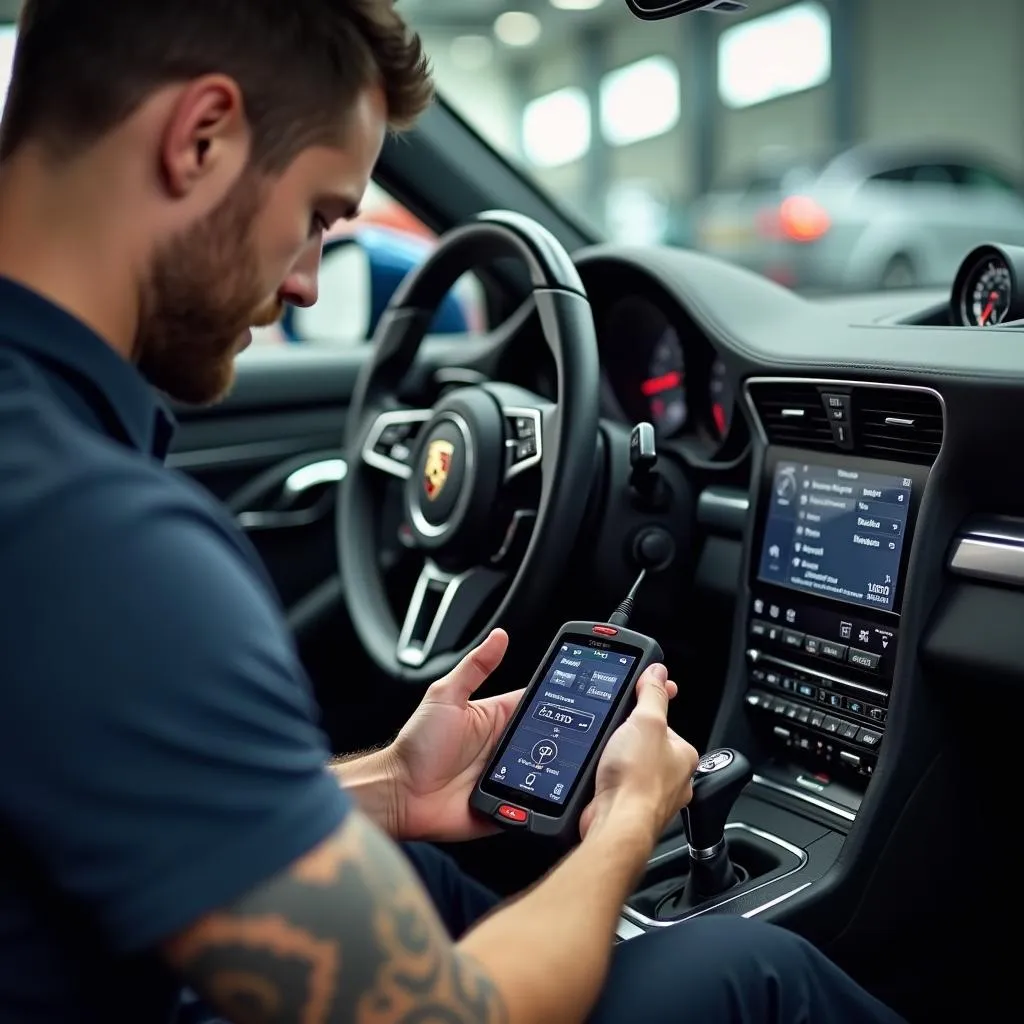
<point>645,366</point>
<point>663,386</point>
<point>986,292</point>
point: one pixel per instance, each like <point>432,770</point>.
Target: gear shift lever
<point>720,778</point>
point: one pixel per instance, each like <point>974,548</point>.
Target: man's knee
<point>731,968</point>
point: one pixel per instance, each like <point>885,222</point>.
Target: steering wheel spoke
<point>390,444</point>
<point>442,607</point>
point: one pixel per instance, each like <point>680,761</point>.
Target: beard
<point>203,294</point>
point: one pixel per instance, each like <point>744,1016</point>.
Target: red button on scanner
<point>605,630</point>
<point>516,814</point>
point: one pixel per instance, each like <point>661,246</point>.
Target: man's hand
<point>645,772</point>
<point>446,744</point>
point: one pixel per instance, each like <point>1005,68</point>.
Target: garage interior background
<point>711,94</point>
<point>633,124</point>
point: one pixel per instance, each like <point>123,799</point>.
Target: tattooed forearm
<point>347,935</point>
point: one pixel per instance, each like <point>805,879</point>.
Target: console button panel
<point>835,720</point>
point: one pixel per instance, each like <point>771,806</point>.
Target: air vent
<point>792,414</point>
<point>900,424</point>
<point>890,423</point>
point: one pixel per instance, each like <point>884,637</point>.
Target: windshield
<point>832,145</point>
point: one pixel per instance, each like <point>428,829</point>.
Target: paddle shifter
<point>720,778</point>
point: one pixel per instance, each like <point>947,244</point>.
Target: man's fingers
<point>467,677</point>
<point>652,694</point>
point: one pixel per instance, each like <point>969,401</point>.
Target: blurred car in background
<point>870,217</point>
<point>364,261</point>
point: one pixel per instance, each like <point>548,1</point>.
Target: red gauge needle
<point>667,381</point>
<point>987,311</point>
<point>718,411</point>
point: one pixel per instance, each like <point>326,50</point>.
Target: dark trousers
<point>716,969</point>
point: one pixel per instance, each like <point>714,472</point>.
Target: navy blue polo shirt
<point>159,752</point>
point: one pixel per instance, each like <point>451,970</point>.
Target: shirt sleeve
<point>161,753</point>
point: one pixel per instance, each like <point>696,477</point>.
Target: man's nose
<point>302,285</point>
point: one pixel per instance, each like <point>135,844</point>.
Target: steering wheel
<point>477,470</point>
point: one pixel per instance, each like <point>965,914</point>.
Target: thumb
<point>469,675</point>
<point>652,694</point>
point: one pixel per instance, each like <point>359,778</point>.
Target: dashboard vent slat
<point>793,415</point>
<point>891,423</point>
<point>899,424</point>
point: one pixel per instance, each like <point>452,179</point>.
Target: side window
<point>984,179</point>
<point>916,174</point>
<point>895,174</point>
<point>933,174</point>
<point>364,262</point>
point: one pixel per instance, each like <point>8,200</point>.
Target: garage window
<point>640,101</point>
<point>784,52</point>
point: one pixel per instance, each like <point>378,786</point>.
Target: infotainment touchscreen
<point>837,532</point>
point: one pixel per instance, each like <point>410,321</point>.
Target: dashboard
<point>666,361</point>
<point>860,497</point>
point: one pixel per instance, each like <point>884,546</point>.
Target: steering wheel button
<point>526,449</point>
<point>516,814</point>
<point>524,427</point>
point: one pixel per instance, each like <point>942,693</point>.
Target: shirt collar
<point>38,327</point>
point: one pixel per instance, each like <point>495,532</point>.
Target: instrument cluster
<point>659,370</point>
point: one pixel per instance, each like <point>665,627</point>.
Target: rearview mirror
<point>655,10</point>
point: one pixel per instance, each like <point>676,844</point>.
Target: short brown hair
<point>82,67</point>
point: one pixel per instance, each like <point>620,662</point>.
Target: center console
<point>830,545</point>
<point>841,472</point>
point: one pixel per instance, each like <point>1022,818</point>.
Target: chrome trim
<point>991,550</point>
<point>778,899</point>
<point>815,801</point>
<point>482,581</point>
<point>520,467</point>
<point>626,930</point>
<point>899,421</point>
<point>243,454</point>
<point>408,653</point>
<point>388,419</point>
<point>710,853</point>
<point>316,474</point>
<point>758,657</point>
<point>412,506</point>
<point>642,919</point>
<point>830,382</point>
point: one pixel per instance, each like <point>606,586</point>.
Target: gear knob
<point>720,777</point>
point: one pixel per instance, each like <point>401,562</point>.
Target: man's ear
<point>206,139</point>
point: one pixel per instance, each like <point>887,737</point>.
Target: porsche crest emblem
<point>437,467</point>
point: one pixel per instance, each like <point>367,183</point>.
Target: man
<point>167,171</point>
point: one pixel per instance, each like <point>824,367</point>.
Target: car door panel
<point>249,451</point>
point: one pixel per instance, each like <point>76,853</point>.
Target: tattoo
<point>346,935</point>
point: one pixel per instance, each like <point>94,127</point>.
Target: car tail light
<point>802,219</point>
